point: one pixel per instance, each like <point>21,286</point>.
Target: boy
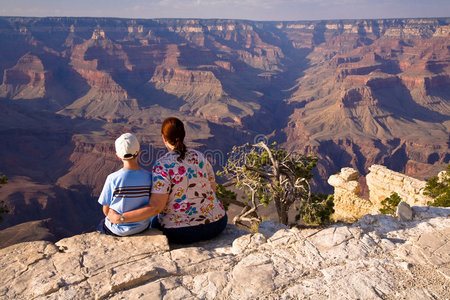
<point>126,189</point>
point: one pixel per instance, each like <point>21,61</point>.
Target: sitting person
<point>126,189</point>
<point>183,192</point>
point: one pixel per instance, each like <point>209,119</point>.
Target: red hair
<point>172,130</point>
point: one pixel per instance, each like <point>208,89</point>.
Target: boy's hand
<point>113,216</point>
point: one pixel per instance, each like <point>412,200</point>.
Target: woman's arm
<point>210,174</point>
<point>105,210</point>
<point>213,185</point>
<point>156,205</point>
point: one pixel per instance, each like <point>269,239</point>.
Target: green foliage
<point>223,194</point>
<point>439,189</point>
<point>319,209</point>
<point>389,205</point>
<point>269,173</point>
<point>3,207</point>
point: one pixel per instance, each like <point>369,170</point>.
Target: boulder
<point>404,212</point>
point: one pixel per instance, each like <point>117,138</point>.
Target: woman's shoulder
<point>194,156</point>
<point>166,158</point>
<point>194,153</point>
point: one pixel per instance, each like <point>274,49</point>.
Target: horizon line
<point>224,19</point>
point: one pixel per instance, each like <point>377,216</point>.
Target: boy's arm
<point>105,210</point>
<point>155,206</point>
<point>105,196</point>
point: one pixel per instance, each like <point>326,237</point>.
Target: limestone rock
<point>349,174</point>
<point>268,228</point>
<point>382,182</point>
<point>247,243</point>
<point>404,212</point>
<point>348,205</point>
<point>376,257</point>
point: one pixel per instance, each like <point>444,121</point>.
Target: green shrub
<point>389,205</point>
<point>319,210</point>
<point>439,189</point>
<point>225,195</point>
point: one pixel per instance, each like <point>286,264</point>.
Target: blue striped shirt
<point>126,190</point>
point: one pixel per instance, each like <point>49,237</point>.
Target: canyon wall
<point>352,92</point>
<point>381,183</point>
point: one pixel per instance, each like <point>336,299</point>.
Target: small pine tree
<point>268,173</point>
<point>389,204</point>
<point>3,207</point>
<point>439,189</point>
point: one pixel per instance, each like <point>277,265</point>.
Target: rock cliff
<point>378,257</point>
<point>381,182</point>
<point>348,205</point>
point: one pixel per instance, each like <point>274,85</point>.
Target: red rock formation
<point>26,80</point>
<point>354,92</point>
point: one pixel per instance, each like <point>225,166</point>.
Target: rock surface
<point>376,258</point>
<point>404,212</point>
<point>348,205</point>
<point>382,183</point>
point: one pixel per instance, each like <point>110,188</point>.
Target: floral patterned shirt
<point>192,200</point>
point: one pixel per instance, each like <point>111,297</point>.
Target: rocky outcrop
<point>188,84</point>
<point>26,232</point>
<point>26,80</point>
<point>347,203</point>
<point>375,258</point>
<point>381,182</point>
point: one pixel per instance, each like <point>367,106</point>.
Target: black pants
<point>101,227</point>
<point>192,234</point>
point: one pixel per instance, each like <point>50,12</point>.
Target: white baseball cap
<point>127,146</point>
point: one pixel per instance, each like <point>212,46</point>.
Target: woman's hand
<point>156,205</point>
<point>113,216</point>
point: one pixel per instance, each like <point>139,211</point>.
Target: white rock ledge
<point>377,257</point>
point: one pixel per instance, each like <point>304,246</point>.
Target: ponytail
<point>180,148</point>
<point>173,131</point>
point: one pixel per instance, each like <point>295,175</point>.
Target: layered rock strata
<point>376,258</point>
<point>353,92</point>
<point>382,183</point>
<point>347,204</point>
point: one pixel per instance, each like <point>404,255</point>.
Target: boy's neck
<point>131,165</point>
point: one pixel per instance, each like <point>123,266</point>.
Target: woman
<point>183,192</point>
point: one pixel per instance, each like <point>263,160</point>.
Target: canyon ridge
<point>353,92</point>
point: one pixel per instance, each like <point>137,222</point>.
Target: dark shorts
<point>192,234</point>
<point>101,227</point>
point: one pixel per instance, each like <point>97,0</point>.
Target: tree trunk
<point>283,216</point>
<point>277,202</point>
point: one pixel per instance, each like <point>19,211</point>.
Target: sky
<point>263,10</point>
